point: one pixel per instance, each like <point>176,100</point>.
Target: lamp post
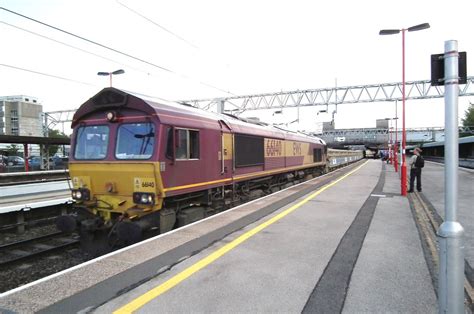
<point>395,151</point>
<point>390,147</point>
<point>419,27</point>
<point>394,142</point>
<point>109,74</point>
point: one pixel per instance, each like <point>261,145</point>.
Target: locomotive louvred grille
<point>110,97</point>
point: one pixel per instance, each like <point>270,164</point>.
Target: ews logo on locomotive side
<point>296,149</point>
<point>274,148</point>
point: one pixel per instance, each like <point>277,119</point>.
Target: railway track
<point>17,252</point>
<point>428,222</point>
<point>467,163</point>
<point>14,178</point>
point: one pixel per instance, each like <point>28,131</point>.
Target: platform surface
<point>433,188</point>
<point>34,195</point>
<point>352,246</point>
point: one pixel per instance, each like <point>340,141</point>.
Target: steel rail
<point>33,243</point>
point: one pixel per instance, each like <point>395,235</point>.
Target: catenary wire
<point>108,48</point>
<point>79,82</point>
<point>73,47</point>
<point>170,32</point>
<point>87,40</point>
<point>158,25</point>
<point>46,74</point>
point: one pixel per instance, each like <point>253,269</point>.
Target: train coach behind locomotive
<point>137,165</point>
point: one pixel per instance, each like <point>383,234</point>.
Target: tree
<point>12,150</point>
<point>53,149</point>
<point>468,119</point>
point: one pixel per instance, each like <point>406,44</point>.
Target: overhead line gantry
<point>309,97</point>
<point>330,96</point>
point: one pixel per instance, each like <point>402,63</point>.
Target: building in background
<point>381,124</point>
<point>20,115</point>
<point>329,126</point>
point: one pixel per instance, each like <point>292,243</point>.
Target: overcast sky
<point>242,47</point>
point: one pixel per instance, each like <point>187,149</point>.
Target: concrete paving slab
<point>391,274</point>
<point>392,183</point>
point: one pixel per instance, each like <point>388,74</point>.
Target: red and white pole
<point>403,181</point>
<point>390,143</point>
<point>395,149</point>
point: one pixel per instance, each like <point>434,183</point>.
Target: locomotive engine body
<point>137,165</point>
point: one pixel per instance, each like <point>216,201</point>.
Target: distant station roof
<point>14,139</point>
<point>462,140</point>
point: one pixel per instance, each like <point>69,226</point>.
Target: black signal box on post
<point>437,69</point>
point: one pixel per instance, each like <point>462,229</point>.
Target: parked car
<point>34,163</point>
<point>3,163</point>
<point>15,161</point>
<point>59,162</point>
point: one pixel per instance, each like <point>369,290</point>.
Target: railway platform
<point>351,246</point>
<point>433,194</point>
<point>344,242</point>
<point>16,198</point>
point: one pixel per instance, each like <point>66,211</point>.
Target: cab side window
<point>169,144</point>
<point>187,144</point>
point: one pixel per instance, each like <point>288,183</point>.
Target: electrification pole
<point>450,233</point>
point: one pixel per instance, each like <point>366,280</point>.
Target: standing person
<point>415,163</point>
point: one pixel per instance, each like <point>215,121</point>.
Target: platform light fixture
<point>390,143</point>
<point>418,27</point>
<point>395,148</point>
<point>109,74</point>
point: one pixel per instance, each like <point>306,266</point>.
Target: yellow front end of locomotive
<point>110,190</point>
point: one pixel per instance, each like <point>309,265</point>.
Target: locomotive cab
<point>113,167</point>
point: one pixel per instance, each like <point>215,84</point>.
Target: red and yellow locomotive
<point>136,165</point>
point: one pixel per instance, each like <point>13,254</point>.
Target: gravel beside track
<point>16,275</point>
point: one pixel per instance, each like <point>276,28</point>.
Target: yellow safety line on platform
<point>170,283</point>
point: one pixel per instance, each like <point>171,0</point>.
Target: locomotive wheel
<point>66,223</point>
<point>128,232</point>
<point>95,243</point>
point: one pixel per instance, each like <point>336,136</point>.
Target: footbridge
<point>330,96</point>
<point>378,138</point>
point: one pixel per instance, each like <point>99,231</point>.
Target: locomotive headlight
<point>81,194</point>
<point>111,116</point>
<point>78,195</point>
<point>144,198</point>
